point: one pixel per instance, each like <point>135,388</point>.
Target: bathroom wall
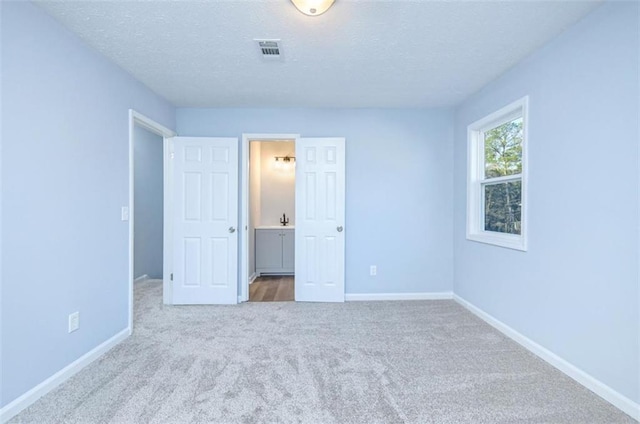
<point>277,186</point>
<point>271,189</point>
<point>255,165</point>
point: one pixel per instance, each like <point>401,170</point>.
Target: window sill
<point>508,241</point>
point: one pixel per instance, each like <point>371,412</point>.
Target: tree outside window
<point>503,157</point>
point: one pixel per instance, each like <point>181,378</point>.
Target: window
<point>496,187</point>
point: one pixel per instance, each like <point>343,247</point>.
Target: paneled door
<point>205,214</point>
<point>320,212</point>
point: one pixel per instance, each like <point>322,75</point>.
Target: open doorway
<point>318,226</point>
<point>148,204</point>
<point>271,220</point>
<point>147,210</point>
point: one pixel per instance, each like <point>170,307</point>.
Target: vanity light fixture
<point>285,159</point>
<point>285,162</point>
<point>313,7</point>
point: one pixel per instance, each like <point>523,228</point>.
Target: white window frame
<point>475,177</point>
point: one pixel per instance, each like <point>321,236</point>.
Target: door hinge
<point>172,276</point>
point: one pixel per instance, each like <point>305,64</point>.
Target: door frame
<point>140,120</point>
<point>243,263</point>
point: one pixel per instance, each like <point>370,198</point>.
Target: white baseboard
<point>352,297</point>
<point>140,279</point>
<point>253,278</point>
<point>16,406</point>
<point>618,400</point>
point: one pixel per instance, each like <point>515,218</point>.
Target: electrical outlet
<point>74,321</point>
<point>373,270</point>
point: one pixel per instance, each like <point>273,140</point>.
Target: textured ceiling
<point>361,53</point>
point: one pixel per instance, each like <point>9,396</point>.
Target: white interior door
<point>205,213</point>
<point>319,233</point>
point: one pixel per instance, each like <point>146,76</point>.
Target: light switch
<point>74,321</point>
<point>124,213</point>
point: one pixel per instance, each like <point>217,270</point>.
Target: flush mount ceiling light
<point>313,7</point>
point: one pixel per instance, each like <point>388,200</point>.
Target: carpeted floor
<point>358,362</point>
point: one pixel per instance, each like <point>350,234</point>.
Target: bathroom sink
<point>275,227</point>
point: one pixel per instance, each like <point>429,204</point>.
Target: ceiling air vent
<point>270,49</point>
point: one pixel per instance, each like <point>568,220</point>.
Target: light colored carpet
<point>359,362</point>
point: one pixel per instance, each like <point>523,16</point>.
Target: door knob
<point>232,230</point>
<point>339,229</point>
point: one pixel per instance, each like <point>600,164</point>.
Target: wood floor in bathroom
<point>273,288</point>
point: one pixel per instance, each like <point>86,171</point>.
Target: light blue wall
<point>398,185</point>
<point>575,291</point>
<point>64,176</point>
<point>148,204</point>
<point>64,179</point>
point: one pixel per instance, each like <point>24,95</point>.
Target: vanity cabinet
<point>275,251</point>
